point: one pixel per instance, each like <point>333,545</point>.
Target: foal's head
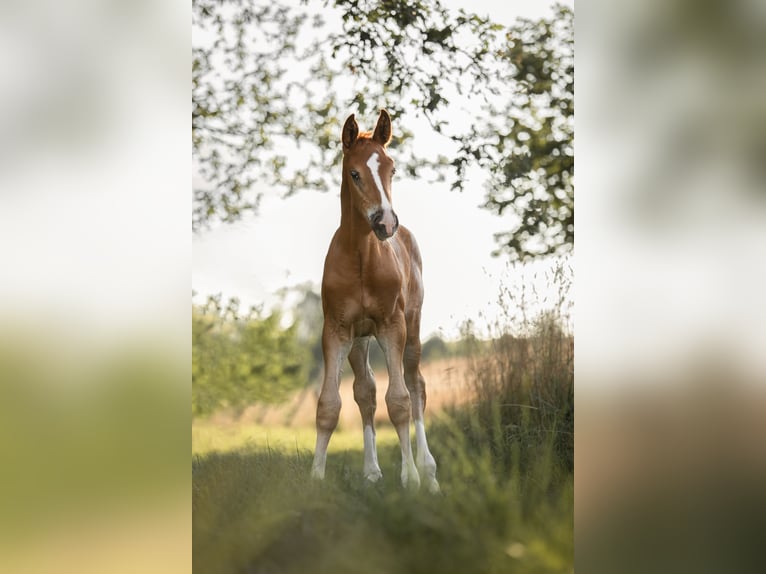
<point>367,171</point>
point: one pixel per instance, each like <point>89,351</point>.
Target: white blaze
<point>388,213</point>
<point>374,164</point>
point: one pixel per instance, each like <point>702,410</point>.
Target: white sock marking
<point>426,462</point>
<point>420,437</point>
<point>371,467</point>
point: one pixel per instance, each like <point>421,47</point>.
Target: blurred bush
<point>671,242</point>
<point>238,359</point>
<point>94,324</point>
<point>91,443</point>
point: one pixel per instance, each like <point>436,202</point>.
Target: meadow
<point>505,468</point>
<point>255,509</point>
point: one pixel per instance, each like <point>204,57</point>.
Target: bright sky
<point>286,243</point>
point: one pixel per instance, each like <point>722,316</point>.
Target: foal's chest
<point>380,287</point>
<point>366,293</point>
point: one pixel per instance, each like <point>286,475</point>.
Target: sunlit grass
<point>211,437</point>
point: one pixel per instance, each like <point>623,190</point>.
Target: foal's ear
<point>350,131</point>
<point>382,133</point>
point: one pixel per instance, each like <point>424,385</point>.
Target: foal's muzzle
<point>384,224</point>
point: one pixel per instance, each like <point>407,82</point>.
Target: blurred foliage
<point>309,319</point>
<point>434,348</point>
<point>87,427</point>
<point>242,358</point>
<point>270,77</point>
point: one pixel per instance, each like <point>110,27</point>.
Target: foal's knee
<point>328,412</point>
<point>398,408</point>
<point>364,393</point>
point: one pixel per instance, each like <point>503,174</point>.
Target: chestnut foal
<point>372,286</point>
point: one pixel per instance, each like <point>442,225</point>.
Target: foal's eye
<point>355,175</point>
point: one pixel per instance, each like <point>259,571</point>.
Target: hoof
<point>427,467</point>
<point>433,486</point>
<point>317,473</point>
<point>373,476</point>
<point>411,480</point>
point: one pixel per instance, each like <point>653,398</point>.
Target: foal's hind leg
<point>416,385</point>
<point>364,395</point>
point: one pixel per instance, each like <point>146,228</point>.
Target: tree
<point>269,77</point>
<point>528,145</point>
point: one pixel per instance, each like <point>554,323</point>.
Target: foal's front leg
<point>398,398</point>
<point>335,347</point>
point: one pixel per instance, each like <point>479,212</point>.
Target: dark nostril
<point>376,223</point>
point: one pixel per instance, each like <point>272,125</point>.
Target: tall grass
<point>523,378</point>
<point>505,467</point>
